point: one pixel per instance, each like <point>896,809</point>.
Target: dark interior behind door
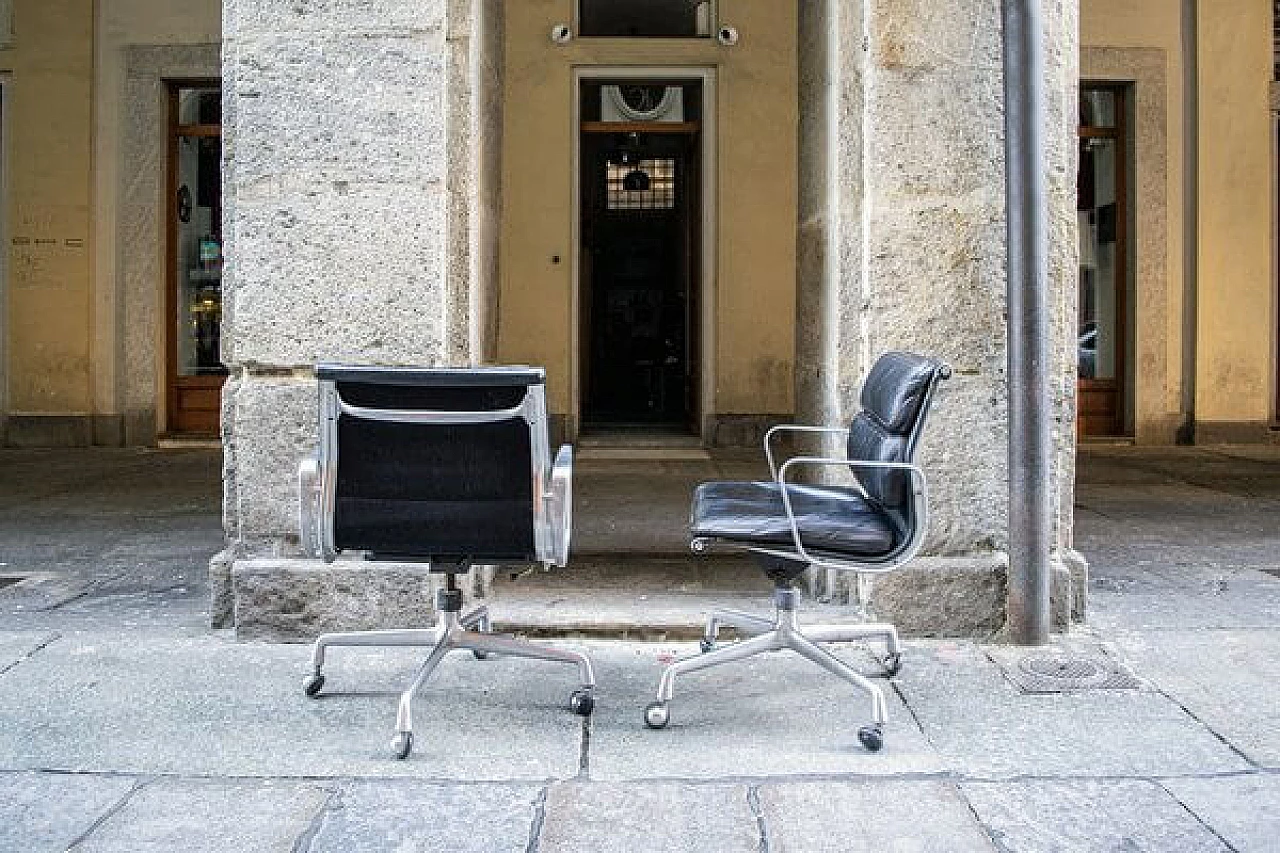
<point>639,247</point>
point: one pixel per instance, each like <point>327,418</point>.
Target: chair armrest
<point>559,499</point>
<point>768,439</point>
<point>918,499</point>
<point>309,494</point>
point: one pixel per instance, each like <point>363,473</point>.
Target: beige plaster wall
<point>123,24</point>
<point>48,114</point>
<point>1235,367</point>
<point>1142,25</point>
<point>754,292</point>
<point>1235,323</point>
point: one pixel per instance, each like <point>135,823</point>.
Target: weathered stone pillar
<point>903,247</point>
<point>352,135</point>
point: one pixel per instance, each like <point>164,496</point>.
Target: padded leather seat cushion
<point>830,519</point>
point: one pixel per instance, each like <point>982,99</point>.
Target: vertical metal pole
<point>1030,445</point>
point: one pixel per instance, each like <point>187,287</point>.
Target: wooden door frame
<point>1120,133</point>
<point>706,283</point>
<point>174,132</point>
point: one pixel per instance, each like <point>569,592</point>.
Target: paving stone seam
<point>584,756</point>
<point>111,812</point>
<point>539,815</point>
<point>1210,729</point>
<point>1225,843</point>
<point>53,638</point>
<point>753,803</point>
<point>915,718</point>
<point>332,803</point>
<point>996,844</point>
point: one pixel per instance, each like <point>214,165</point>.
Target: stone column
<point>903,247</point>
<point>348,177</point>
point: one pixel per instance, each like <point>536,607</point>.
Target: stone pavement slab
<point>196,703</point>
<point>1188,596</point>
<point>42,812</point>
<point>1227,679</point>
<point>773,715</point>
<point>423,817</point>
<point>869,817</point>
<point>210,816</point>
<point>1243,810</point>
<point>630,818</point>
<point>17,646</point>
<point>987,728</point>
<point>1128,816</point>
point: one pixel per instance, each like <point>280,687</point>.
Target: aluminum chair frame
<point>552,523</point>
<point>783,631</point>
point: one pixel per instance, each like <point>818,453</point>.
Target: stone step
<point>638,597</point>
<point>621,595</point>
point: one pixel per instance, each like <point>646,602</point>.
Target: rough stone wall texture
<point>474,34</point>
<point>902,234</point>
<point>347,169</point>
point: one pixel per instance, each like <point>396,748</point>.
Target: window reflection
<point>198,233</point>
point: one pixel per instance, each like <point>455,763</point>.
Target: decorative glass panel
<point>641,18</point>
<point>642,185</point>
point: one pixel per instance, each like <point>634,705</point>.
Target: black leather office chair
<point>873,527</point>
<point>447,468</point>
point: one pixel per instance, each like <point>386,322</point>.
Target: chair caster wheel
<point>479,655</point>
<point>581,702</point>
<point>872,738</point>
<point>402,745</point>
<point>312,685</point>
<point>892,664</point>
<point>707,645</point>
<point>656,716</point>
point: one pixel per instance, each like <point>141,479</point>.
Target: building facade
<point>701,217</point>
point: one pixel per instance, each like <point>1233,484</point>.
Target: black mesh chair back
<point>436,465</point>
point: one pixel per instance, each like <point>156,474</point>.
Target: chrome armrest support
<point>768,439</point>
<point>559,499</point>
<point>919,500</point>
<point>309,498</point>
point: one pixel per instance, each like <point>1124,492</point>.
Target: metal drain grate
<point>1056,674</point>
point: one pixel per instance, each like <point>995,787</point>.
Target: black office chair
<point>445,467</point>
<point>870,528</point>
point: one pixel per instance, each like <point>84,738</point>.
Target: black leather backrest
<point>889,424</point>
<point>434,491</point>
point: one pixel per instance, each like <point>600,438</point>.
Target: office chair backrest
<point>895,400</point>
<point>437,465</point>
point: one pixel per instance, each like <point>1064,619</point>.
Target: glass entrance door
<point>640,210</point>
<point>1101,209</point>
<point>196,372</point>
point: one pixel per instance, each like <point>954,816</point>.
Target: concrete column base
<point>964,596</point>
<point>285,600</point>
<point>293,600</point>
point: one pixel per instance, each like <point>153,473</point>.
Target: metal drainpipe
<point>1026,202</point>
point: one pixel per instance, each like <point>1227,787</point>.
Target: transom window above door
<point>646,18</point>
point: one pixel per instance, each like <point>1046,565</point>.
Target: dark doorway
<point>640,213</point>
